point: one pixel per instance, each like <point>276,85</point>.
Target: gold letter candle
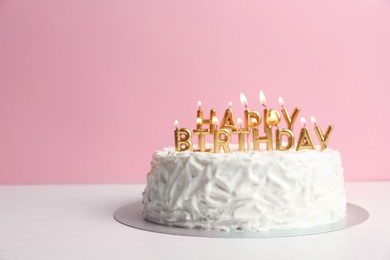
<point>250,129</point>
<point>267,139</point>
<point>289,120</point>
<point>323,138</point>
<point>252,119</point>
<point>271,116</point>
<point>182,139</point>
<point>200,121</point>
<point>241,132</point>
<point>279,138</point>
<point>201,139</point>
<point>228,121</point>
<point>305,141</point>
<point>221,138</point>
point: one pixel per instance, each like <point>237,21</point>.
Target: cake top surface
<point>170,151</point>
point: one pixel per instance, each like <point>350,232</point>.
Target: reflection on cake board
<point>131,215</point>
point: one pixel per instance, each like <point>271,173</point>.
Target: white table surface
<point>76,222</point>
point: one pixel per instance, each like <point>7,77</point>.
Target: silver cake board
<point>131,215</point>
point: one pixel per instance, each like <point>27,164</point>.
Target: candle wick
<point>246,107</point>
<point>264,106</point>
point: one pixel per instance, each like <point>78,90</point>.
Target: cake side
<point>250,191</point>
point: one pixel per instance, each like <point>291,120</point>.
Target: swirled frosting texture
<point>250,191</point>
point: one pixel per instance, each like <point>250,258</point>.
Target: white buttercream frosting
<point>250,191</point>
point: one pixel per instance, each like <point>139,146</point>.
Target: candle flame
<point>313,119</point>
<point>199,104</point>
<point>303,120</point>
<point>176,123</point>
<point>281,101</point>
<point>243,100</point>
<point>230,104</point>
<point>262,98</point>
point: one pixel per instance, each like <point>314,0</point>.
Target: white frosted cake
<point>268,183</point>
<point>250,191</point>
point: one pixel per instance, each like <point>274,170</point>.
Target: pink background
<point>89,89</point>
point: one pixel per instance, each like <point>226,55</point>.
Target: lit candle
<point>201,139</point>
<point>221,138</point>
<point>254,122</point>
<point>252,118</point>
<point>280,132</point>
<point>200,121</point>
<point>305,141</point>
<point>241,132</point>
<point>267,138</point>
<point>228,121</point>
<point>289,120</point>
<point>271,116</point>
<point>323,138</point>
<point>182,138</point>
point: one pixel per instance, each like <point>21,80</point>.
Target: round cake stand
<point>131,215</point>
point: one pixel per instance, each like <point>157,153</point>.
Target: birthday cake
<point>242,187</point>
